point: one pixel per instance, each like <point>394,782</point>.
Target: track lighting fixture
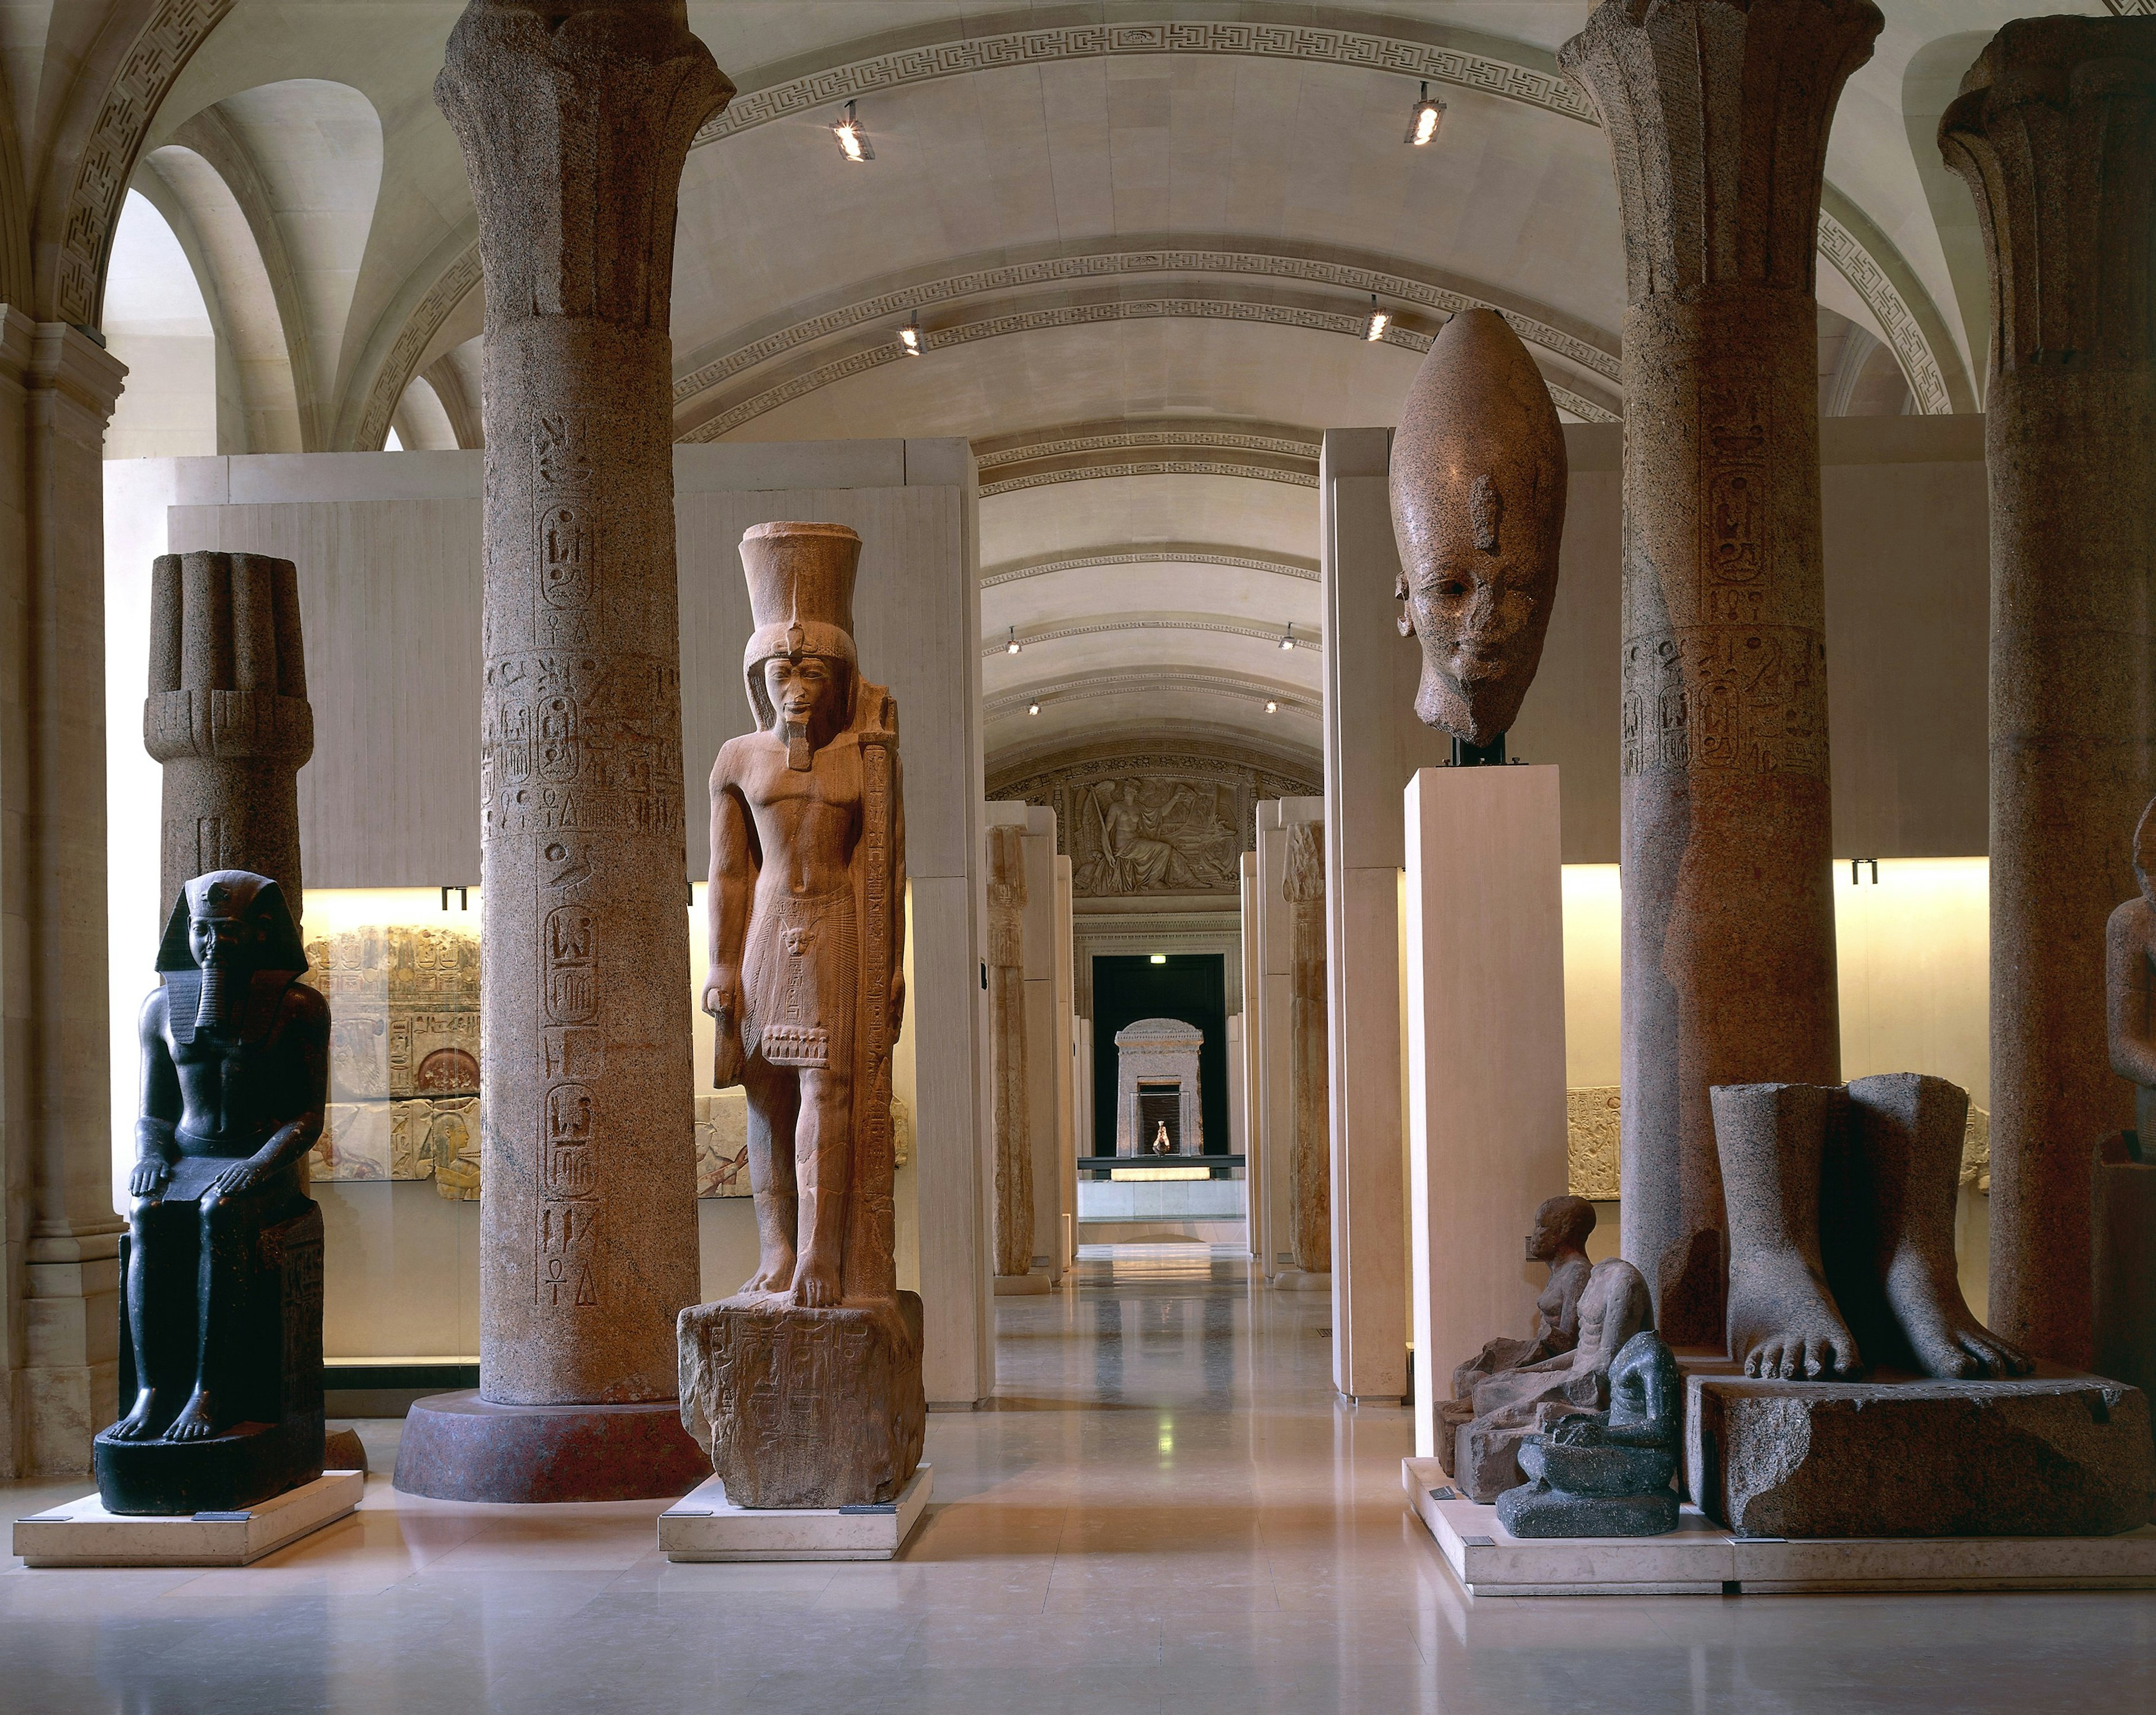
<point>1380,319</point>
<point>1012,646</point>
<point>1287,638</point>
<point>1271,707</point>
<point>1424,118</point>
<point>1032,708</point>
<point>853,137</point>
<point>909,336</point>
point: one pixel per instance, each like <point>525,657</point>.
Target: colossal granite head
<point>799,664</point>
<point>1478,490</point>
<point>1561,1224</point>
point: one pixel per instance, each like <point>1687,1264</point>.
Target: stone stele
<point>1478,492</point>
<point>805,1385</point>
<point>228,716</point>
<point>1717,114</point>
<point>2055,132</point>
<point>1013,1133</point>
<point>1309,1165</point>
<point>224,1257</point>
<point>574,118</point>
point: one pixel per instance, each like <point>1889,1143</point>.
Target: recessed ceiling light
<point>853,137</point>
<point>1424,118</point>
<point>1380,319</point>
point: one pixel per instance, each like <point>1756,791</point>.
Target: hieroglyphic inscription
<point>1749,698</point>
<point>575,741</point>
<point>564,533</point>
<point>777,1379</point>
<point>1735,555</point>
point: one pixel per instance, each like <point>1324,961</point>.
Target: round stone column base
<point>460,1447</point>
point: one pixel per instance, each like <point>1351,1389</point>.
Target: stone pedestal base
<point>83,1534</point>
<point>2052,1454</point>
<point>460,1447</point>
<point>805,1408</point>
<point>248,1464</point>
<point>1022,1286</point>
<point>1698,1558</point>
<point>705,1525</point>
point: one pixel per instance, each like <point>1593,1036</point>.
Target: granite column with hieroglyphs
<point>1309,1168</point>
<point>1717,116</point>
<point>2055,130</point>
<point>574,120</point>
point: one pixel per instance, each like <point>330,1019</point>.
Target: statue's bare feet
<point>1783,1324</point>
<point>194,1423</point>
<point>815,1281</point>
<point>776,1276</point>
<point>1949,1342</point>
<point>136,1425</point>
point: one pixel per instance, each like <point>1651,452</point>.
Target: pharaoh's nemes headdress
<point>800,594</point>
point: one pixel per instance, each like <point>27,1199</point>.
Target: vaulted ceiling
<point>1141,242</point>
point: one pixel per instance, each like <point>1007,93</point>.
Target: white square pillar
<point>1486,1057</point>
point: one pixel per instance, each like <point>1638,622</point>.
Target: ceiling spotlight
<point>1032,708</point>
<point>853,138</point>
<point>1012,646</point>
<point>1424,118</point>
<point>1160,958</point>
<point>1271,707</point>
<point>1380,319</point>
<point>909,336</point>
<point>1287,638</point>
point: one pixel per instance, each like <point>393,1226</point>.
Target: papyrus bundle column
<point>2056,132</point>
<point>1717,114</point>
<point>575,117</point>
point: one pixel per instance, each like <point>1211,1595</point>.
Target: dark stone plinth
<point>250,1463</point>
<point>2056,1454</point>
<point>1536,1509</point>
<point>2123,1221</point>
<point>460,1447</point>
<point>806,1408</point>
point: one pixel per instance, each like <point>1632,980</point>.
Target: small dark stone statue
<point>1606,1473</point>
<point>224,1256</point>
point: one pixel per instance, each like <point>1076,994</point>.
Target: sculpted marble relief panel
<point>1136,824</point>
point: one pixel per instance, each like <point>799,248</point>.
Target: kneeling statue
<point>1606,1473</point>
<point>224,1258</point>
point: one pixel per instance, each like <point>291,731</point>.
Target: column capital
<point>1717,113</point>
<point>574,117</point>
<point>2055,132</point>
<point>66,360</point>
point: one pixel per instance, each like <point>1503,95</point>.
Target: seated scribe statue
<point>223,1262</point>
<point>1841,1204</point>
<point>1607,1473</point>
<point>1560,1239</point>
<point>1508,1406</point>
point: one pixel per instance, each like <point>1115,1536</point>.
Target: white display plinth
<point>1700,1558</point>
<point>1485,949</point>
<point>704,1525</point>
<point>1022,1286</point>
<point>83,1533</point>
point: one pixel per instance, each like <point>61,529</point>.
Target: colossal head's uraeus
<point>1478,485</point>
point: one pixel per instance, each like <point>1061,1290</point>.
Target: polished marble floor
<point>1166,1510</point>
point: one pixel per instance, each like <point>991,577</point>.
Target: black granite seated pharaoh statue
<point>224,1257</point>
<point>1606,1473</point>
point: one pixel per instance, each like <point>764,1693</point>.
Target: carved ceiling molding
<point>436,305</point>
<point>996,456</point>
<point>1168,553</point>
<point>1308,637</point>
<point>1266,313</point>
<point>1871,263</point>
<point>1600,358</point>
<point>160,51</point>
<point>832,85</point>
<point>1080,687</point>
<point>1151,467</point>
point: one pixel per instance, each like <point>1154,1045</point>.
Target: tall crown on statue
<point>801,595</point>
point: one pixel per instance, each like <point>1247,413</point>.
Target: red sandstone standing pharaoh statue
<point>807,933</point>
